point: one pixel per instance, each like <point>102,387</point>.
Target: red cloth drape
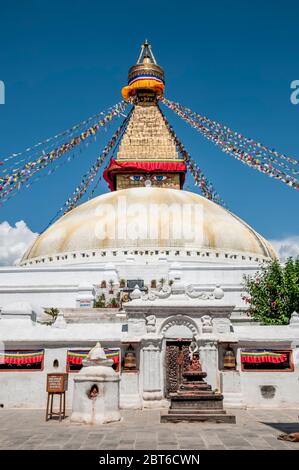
<point>22,358</point>
<point>264,358</point>
<point>76,358</point>
<point>117,166</point>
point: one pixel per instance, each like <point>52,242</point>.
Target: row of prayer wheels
<point>130,363</point>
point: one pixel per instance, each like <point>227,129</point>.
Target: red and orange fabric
<point>21,357</point>
<point>76,356</point>
<point>118,166</point>
<point>262,356</point>
<point>143,83</point>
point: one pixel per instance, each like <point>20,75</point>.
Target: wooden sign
<point>57,383</point>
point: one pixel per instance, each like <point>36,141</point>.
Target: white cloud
<point>14,241</point>
<point>287,247</point>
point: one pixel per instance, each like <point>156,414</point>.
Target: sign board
<point>85,303</point>
<point>131,283</point>
<point>57,383</point>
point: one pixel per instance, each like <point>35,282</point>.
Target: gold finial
<point>146,55</point>
<point>146,74</point>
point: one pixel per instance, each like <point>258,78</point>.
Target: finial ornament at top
<point>146,53</point>
<point>146,77</point>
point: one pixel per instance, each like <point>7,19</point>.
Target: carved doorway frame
<point>176,361</point>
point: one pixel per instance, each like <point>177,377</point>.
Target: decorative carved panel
<point>177,361</point>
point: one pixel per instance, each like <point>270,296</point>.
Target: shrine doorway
<point>177,361</point>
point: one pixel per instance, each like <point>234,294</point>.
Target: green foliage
<point>100,302</point>
<point>122,283</point>
<point>53,312</point>
<point>273,293</point>
<point>111,285</point>
<point>114,303</point>
<point>118,296</point>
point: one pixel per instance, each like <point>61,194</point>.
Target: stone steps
<point>195,412</point>
<point>213,417</point>
<point>197,402</point>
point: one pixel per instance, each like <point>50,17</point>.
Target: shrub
<point>273,293</point>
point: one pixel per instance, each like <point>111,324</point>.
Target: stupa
<point>184,257</point>
<point>96,390</point>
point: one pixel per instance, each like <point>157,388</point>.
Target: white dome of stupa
<point>148,219</point>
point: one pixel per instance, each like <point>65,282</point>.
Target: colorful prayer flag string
<point>205,185</point>
<point>89,177</point>
<point>70,131</point>
<point>231,147</point>
<point>20,176</point>
<point>256,147</point>
<point>53,170</point>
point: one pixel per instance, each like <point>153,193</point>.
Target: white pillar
<point>231,389</point>
<point>151,372</point>
<point>209,362</point>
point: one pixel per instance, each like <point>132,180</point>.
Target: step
<point>203,388</point>
<point>200,396</point>
<point>196,404</point>
<point>194,411</point>
<point>193,418</point>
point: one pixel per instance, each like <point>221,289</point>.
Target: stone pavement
<point>255,429</point>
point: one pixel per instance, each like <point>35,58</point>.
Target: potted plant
<point>111,285</point>
<point>100,302</point>
<point>113,303</point>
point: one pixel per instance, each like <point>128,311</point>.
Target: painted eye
<point>136,177</point>
<point>159,178</point>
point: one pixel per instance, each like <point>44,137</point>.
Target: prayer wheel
<point>130,359</point>
<point>229,360</point>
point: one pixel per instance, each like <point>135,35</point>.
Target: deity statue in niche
<point>194,364</point>
<point>193,349</point>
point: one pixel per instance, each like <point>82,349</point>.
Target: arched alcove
<point>178,326</point>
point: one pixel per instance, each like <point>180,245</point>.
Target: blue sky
<point>233,61</point>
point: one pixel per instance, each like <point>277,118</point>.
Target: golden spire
<point>145,75</point>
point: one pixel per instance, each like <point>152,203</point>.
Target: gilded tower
<point>147,154</point>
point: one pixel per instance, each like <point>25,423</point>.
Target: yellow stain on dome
<point>78,230</point>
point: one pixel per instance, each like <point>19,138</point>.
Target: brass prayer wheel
<point>130,359</point>
<point>229,360</point>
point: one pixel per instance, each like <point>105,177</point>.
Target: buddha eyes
<point>159,178</point>
<point>136,177</point>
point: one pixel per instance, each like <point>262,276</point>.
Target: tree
<point>273,293</point>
